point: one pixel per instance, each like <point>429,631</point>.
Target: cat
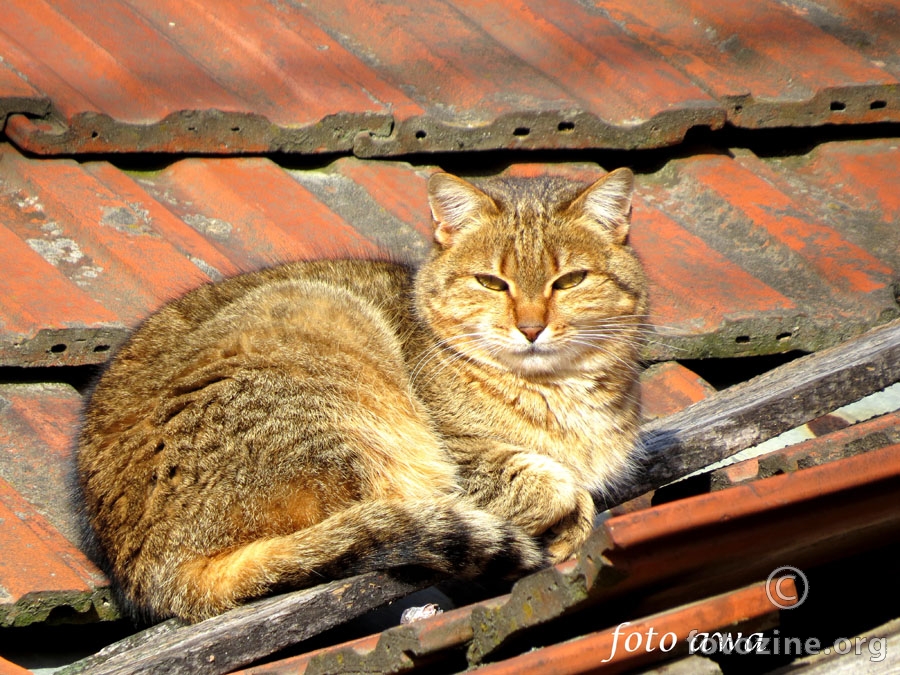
<point>319,419</point>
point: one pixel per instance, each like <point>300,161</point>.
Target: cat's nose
<point>531,331</point>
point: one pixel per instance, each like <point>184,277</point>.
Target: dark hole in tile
<point>58,349</point>
<point>80,377</point>
<point>838,105</point>
<point>725,372</point>
<point>521,131</point>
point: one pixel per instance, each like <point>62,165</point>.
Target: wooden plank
<point>772,403</point>
<point>246,634</point>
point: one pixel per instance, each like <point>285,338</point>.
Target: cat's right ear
<point>455,203</point>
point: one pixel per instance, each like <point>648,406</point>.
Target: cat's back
<point>290,315</point>
<point>176,332</point>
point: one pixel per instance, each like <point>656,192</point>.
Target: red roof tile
<point>863,437</point>
<point>380,79</point>
<point>770,64</point>
<point>669,387</point>
<point>40,568</point>
<point>96,249</point>
<point>41,572</point>
<point>37,425</point>
<point>9,668</point>
<point>616,650</point>
<point>846,268</point>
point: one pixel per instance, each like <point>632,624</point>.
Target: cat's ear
<point>454,205</point>
<point>608,203</point>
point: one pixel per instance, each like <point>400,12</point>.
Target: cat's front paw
<point>542,496</point>
<point>564,538</point>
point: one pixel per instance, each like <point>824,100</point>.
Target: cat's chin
<point>537,363</point>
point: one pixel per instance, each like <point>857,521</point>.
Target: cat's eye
<point>569,280</point>
<point>491,282</point>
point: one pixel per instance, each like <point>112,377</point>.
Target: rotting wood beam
<point>245,634</point>
<point>751,412</point>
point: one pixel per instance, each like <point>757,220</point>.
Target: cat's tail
<point>445,534</point>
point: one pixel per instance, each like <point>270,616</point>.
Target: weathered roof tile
<point>377,78</point>
<point>737,265</point>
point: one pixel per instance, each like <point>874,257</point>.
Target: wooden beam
<point>751,412</point>
<point>245,634</point>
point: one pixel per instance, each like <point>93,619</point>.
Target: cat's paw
<point>538,494</point>
<point>565,537</point>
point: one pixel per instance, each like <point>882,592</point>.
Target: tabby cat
<point>319,419</point>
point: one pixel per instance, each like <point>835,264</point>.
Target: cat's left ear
<point>455,205</point>
<point>608,203</point>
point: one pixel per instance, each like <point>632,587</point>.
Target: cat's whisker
<point>457,356</point>
<point>651,327</point>
<point>606,352</point>
<point>618,338</point>
<point>635,337</point>
<point>605,345</point>
<point>637,328</point>
<point>639,335</point>
<point>669,346</point>
<point>439,348</point>
<point>451,355</point>
<point>613,338</point>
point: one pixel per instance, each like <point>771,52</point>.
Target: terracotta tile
<point>97,236</point>
<point>669,387</point>
<point>858,438</point>
<point>646,640</point>
<point>692,279</point>
<point>846,267</point>
<point>727,277</point>
<point>38,423</point>
<point>382,79</point>
<point>259,216</point>
<point>40,571</point>
<point>746,56</point>
<point>400,191</point>
<point>10,668</point>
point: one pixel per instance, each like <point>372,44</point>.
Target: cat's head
<point>534,275</point>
